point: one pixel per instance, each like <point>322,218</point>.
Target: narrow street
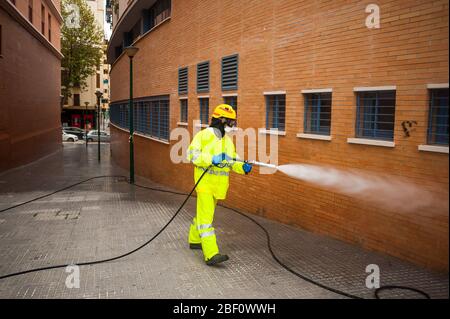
<point>106,217</point>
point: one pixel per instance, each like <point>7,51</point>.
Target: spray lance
<point>256,163</point>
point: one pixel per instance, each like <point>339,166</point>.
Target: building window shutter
<point>183,81</point>
<point>203,77</point>
<point>230,73</point>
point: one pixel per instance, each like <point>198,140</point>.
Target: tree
<point>81,44</point>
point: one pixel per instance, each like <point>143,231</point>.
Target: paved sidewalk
<point>107,217</point>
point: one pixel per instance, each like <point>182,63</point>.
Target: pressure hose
<point>269,246</point>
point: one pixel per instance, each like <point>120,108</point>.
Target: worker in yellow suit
<point>212,150</point>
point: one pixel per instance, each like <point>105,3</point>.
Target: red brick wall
<point>22,7</point>
<point>29,96</point>
<point>292,45</point>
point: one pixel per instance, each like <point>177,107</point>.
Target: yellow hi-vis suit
<point>212,187</point>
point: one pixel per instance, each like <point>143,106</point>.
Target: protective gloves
<point>219,158</point>
<point>247,167</point>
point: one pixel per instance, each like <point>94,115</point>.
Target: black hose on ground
<point>269,246</point>
<point>103,260</point>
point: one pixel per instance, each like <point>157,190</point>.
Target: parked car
<point>92,136</point>
<point>69,137</point>
<point>75,131</point>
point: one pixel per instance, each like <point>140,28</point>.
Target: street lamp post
<point>131,52</point>
<point>99,95</point>
<point>103,115</point>
<point>84,121</point>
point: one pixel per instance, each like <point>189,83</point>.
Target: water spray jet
<point>389,192</point>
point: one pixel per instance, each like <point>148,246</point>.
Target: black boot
<point>216,259</point>
<point>195,246</point>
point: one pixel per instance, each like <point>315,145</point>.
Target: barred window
<point>184,111</point>
<point>150,116</point>
<point>231,100</point>
<point>375,115</point>
<point>118,114</point>
<point>275,111</point>
<point>438,117</point>
<point>317,118</point>
<point>140,116</point>
<point>204,110</point>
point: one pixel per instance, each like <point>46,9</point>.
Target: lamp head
<point>98,94</point>
<point>131,51</point>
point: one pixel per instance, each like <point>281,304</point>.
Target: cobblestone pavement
<point>107,217</point>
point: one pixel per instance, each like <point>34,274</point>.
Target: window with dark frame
<point>150,115</point>
<point>375,114</point>
<point>97,80</point>
<point>229,76</point>
<point>183,80</point>
<point>231,100</point>
<point>76,99</point>
<point>157,13</point>
<point>203,77</point>
<point>42,19</point>
<point>49,27</point>
<point>30,10</point>
<point>204,110</point>
<point>183,110</point>
<point>136,31</point>
<point>1,40</point>
<point>317,115</point>
<point>275,111</point>
<point>438,117</point>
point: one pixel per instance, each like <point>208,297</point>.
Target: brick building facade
<point>30,80</point>
<point>291,49</point>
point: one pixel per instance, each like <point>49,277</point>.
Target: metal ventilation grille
<point>183,81</point>
<point>230,72</point>
<point>203,77</point>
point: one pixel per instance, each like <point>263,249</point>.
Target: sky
<point>107,26</point>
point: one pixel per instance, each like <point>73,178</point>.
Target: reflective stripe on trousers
<point>209,233</point>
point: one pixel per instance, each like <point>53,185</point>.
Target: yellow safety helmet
<point>224,110</point>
